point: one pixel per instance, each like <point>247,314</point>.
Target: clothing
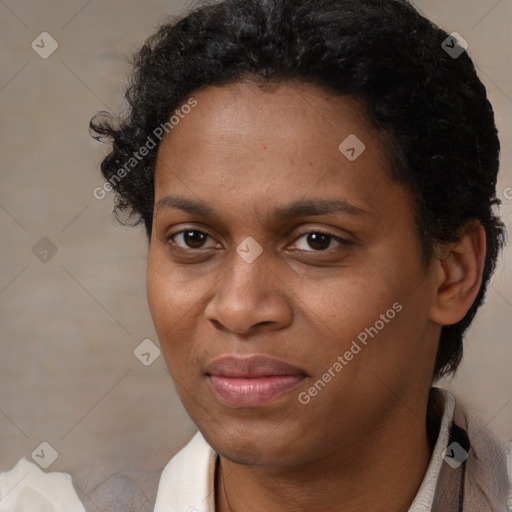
<point>187,483</point>
<point>26,488</point>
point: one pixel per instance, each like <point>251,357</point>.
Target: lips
<point>251,367</point>
<point>251,381</point>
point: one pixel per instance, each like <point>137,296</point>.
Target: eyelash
<point>340,240</point>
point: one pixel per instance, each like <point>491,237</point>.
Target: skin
<point>362,441</point>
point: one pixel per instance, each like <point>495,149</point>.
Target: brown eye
<point>320,241</point>
<point>189,238</point>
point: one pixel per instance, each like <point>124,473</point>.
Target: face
<point>286,245</point>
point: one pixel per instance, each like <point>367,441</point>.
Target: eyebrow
<point>300,208</point>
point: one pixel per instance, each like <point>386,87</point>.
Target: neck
<point>382,473</point>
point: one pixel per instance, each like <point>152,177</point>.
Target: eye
<point>320,240</point>
<point>189,238</point>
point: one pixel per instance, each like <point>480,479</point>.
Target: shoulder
<point>489,465</point>
<point>124,491</point>
<point>27,487</point>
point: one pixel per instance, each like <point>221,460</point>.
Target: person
<point>317,181</point>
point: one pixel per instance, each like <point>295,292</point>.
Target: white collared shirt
<point>187,483</point>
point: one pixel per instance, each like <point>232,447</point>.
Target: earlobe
<point>460,275</point>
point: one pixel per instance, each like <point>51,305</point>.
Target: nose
<point>250,296</point>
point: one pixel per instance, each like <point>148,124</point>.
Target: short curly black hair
<point>427,99</point>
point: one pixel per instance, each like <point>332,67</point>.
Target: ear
<point>459,268</point>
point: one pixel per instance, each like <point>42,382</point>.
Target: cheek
<point>170,300</point>
<point>382,308</point>
<point>156,293</point>
<point>175,306</point>
<point>345,305</point>
<point>163,301</point>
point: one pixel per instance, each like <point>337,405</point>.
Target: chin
<point>248,447</point>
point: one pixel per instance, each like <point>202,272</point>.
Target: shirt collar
<point>425,496</point>
<point>187,483</point>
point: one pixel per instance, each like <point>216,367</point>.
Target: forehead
<point>272,113</point>
<point>249,146</point>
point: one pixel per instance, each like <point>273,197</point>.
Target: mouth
<point>252,381</point>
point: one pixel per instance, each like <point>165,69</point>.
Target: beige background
<point>69,326</point>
